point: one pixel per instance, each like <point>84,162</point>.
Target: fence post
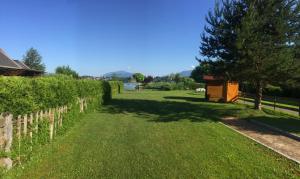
<point>6,131</point>
<point>25,125</point>
<point>30,129</point>
<point>51,124</point>
<point>37,122</point>
<point>275,100</point>
<point>299,108</point>
<point>19,131</point>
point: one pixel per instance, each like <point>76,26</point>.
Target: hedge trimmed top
<point>20,95</point>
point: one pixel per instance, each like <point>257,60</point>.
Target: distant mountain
<point>119,74</point>
<point>186,73</point>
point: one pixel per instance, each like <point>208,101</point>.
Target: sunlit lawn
<point>154,134</point>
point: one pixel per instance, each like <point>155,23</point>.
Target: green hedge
<point>116,87</point>
<point>19,95</point>
<point>167,86</point>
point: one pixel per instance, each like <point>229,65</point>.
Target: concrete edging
<point>288,157</point>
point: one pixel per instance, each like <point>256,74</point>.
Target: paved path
<point>272,108</point>
<point>276,141</point>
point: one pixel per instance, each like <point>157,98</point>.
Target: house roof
<point>22,65</point>
<point>6,61</point>
<point>10,67</point>
<point>212,78</point>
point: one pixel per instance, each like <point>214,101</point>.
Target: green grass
<point>155,134</point>
<point>270,103</point>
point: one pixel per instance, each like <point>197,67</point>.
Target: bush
<point>20,96</point>
<point>167,86</point>
<point>273,90</point>
<point>116,86</point>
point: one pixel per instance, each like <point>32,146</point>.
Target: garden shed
<point>220,90</point>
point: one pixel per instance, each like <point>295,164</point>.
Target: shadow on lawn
<point>177,108</point>
<point>283,122</point>
<point>189,99</point>
<point>167,111</point>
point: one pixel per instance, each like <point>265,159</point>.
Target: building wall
<point>215,91</point>
<point>232,91</point>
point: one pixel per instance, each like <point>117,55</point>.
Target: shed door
<point>215,92</point>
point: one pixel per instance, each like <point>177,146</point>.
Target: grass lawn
<point>152,134</point>
<point>270,103</point>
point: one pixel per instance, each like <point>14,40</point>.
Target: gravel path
<point>274,140</point>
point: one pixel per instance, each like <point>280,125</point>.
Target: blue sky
<point>155,37</point>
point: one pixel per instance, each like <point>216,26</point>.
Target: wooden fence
<point>289,104</point>
<point>26,127</point>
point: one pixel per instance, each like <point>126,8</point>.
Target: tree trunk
<point>258,97</point>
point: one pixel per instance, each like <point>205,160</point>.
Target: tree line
<point>252,41</point>
<point>33,60</point>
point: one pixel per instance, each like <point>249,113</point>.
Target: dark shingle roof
<point>6,61</point>
<point>22,65</point>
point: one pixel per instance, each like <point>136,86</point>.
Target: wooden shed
<point>220,90</point>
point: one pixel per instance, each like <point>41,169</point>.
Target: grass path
<point>156,135</point>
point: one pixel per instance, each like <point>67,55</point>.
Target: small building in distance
<point>220,90</point>
<point>10,67</point>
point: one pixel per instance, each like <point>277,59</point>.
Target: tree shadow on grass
<point>189,99</point>
<point>178,108</point>
<point>284,122</point>
<point>168,111</point>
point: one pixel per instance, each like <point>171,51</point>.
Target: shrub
<point>20,96</point>
<point>116,86</point>
<point>167,86</point>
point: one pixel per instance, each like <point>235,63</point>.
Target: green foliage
<point>21,95</point>
<point>254,41</point>
<point>139,77</point>
<point>201,70</point>
<point>273,90</point>
<point>66,70</point>
<point>186,84</point>
<point>33,59</point>
<point>116,87</point>
<point>170,134</point>
<point>148,79</point>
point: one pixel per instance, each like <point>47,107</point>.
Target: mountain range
<point>119,74</point>
<point>125,74</point>
<point>186,73</point>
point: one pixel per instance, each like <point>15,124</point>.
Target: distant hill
<point>186,73</point>
<point>119,74</point>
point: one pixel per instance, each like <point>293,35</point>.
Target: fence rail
<point>274,102</point>
<point>25,129</point>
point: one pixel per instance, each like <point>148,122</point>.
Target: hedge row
<point>19,95</point>
<point>168,86</point>
<point>116,87</point>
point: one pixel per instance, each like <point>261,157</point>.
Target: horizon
<point>152,37</point>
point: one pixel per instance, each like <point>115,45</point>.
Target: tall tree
<point>33,59</point>
<point>218,41</point>
<point>139,77</point>
<point>148,79</point>
<point>66,70</point>
<point>201,70</point>
<point>253,40</point>
<point>266,42</point>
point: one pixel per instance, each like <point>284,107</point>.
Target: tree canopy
<point>66,70</point>
<point>33,60</point>
<point>139,77</point>
<point>253,41</point>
